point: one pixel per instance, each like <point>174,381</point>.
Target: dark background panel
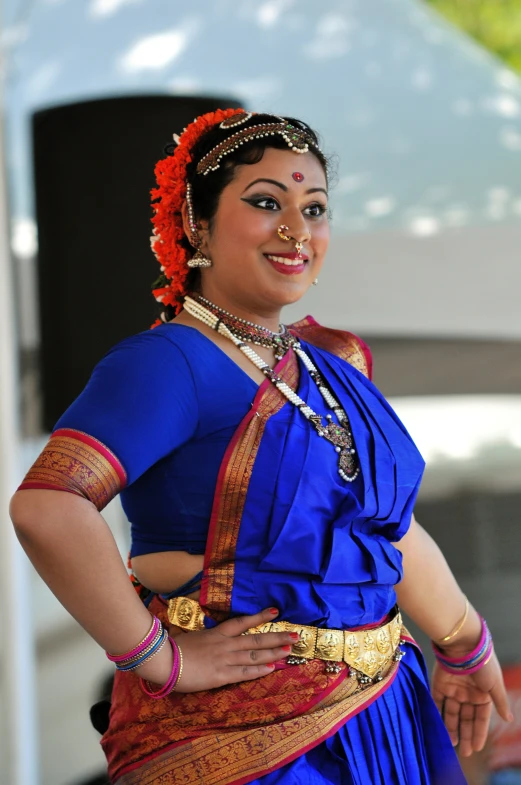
<point>93,170</point>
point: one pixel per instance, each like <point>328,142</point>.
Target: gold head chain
<point>297,140</point>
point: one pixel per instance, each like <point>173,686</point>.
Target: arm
<point>73,550</point>
<point>430,595</point>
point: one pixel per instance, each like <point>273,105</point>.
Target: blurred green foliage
<point>495,24</point>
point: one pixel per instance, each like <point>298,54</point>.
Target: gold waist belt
<point>369,652</point>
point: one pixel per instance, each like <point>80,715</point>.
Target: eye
<point>315,210</point>
<point>264,203</point>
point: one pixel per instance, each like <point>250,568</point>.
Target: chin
<point>292,295</point>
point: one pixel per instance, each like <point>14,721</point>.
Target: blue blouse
<point>166,402</point>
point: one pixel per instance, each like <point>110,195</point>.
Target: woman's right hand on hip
<point>224,655</point>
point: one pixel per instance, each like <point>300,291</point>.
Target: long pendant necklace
<point>338,434</point>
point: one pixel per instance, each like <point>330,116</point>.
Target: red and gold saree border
<point>236,757</point>
<point>231,489</point>
<point>75,462</point>
<point>343,344</point>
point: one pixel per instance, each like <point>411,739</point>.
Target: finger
<point>438,699</point>
<point>451,709</point>
<point>266,640</point>
<point>258,656</point>
<point>240,624</point>
<point>482,716</point>
<point>498,694</point>
<point>466,729</point>
<point>247,672</point>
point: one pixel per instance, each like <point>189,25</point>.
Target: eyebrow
<point>281,185</point>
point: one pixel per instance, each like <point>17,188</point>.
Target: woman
<point>270,491</point>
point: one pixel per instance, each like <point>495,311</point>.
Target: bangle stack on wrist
<point>472,661</point>
<point>173,679</point>
<point>151,644</point>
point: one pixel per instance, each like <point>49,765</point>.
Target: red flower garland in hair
<point>168,199</point>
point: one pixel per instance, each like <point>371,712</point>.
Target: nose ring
<point>281,231</point>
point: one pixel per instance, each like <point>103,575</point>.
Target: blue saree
<point>284,530</point>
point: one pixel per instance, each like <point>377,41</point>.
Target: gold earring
<point>199,260</point>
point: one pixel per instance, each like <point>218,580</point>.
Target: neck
<point>268,318</point>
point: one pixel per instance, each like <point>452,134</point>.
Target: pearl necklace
<point>339,435</point>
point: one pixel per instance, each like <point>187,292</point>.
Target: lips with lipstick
<point>288,262</point>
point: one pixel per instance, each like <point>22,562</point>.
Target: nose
<point>298,229</point>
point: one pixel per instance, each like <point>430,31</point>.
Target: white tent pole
<point>17,648</point>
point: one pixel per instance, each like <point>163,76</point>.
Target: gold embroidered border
<point>227,758</point>
<point>70,464</point>
<point>341,343</point>
<point>231,496</point>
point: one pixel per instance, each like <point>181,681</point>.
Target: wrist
<point>466,663</point>
<point>466,639</point>
<point>176,670</point>
<point>157,669</point>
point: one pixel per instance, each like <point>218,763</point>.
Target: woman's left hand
<point>465,703</point>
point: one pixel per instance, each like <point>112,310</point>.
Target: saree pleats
<point>398,740</point>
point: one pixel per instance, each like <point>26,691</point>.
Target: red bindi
<point>298,176</point>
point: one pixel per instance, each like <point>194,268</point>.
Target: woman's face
<point>253,268</point>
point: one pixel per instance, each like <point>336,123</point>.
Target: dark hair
<point>207,189</point>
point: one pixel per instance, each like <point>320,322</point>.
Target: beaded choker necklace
<point>248,331</point>
<point>338,434</point>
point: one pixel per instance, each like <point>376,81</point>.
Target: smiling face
<point>255,271</point>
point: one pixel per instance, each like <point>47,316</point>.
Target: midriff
<point>165,571</point>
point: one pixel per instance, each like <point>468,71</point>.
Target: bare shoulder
<point>342,343</point>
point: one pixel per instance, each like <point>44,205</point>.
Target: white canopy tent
<point>427,127</point>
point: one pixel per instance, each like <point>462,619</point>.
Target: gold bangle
<point>459,626</point>
<point>180,668</point>
<point>160,634</point>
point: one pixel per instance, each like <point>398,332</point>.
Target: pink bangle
<point>149,654</point>
<point>471,662</point>
<point>147,640</point>
<point>173,679</point>
<point>467,671</point>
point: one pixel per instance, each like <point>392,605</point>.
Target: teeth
<point>283,260</point>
